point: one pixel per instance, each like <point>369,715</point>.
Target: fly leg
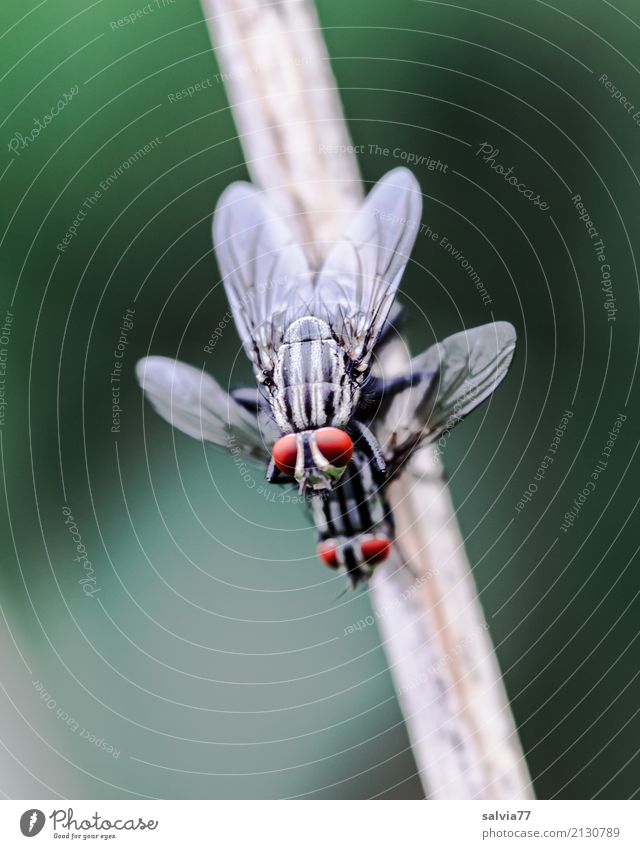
<point>378,393</point>
<point>379,390</point>
<point>369,445</point>
<point>274,475</point>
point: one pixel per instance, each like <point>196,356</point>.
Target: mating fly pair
<point>354,525</point>
<point>323,415</point>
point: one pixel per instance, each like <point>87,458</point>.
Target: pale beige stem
<point>297,147</point>
<point>287,112</point>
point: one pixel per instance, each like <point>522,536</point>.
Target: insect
<point>354,525</point>
<point>310,333</point>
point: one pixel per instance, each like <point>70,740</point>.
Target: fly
<point>354,525</point>
<point>310,333</point>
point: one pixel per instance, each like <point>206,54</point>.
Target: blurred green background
<point>213,659</point>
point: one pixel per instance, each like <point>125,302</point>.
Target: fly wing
<point>264,271</point>
<point>192,401</point>
<point>361,274</point>
<point>389,334</point>
<point>452,378</point>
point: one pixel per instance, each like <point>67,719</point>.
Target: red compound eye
<point>328,553</point>
<point>335,445</point>
<point>375,550</point>
<point>285,453</point>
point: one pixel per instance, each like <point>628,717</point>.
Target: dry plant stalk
<point>287,112</point>
<point>289,118</point>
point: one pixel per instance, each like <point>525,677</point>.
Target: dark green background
<point>214,655</point>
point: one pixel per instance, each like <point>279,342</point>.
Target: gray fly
<point>310,333</point>
<point>354,525</point>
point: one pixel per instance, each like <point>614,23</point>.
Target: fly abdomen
<point>356,506</point>
<point>354,528</point>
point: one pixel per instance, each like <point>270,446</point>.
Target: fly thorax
<point>312,386</point>
<point>307,329</point>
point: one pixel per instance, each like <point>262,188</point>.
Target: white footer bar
<point>320,824</point>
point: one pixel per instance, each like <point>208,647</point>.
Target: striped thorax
<point>310,332</point>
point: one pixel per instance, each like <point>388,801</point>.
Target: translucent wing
<point>453,377</point>
<point>192,401</point>
<point>264,271</point>
<point>362,271</point>
<point>390,333</point>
